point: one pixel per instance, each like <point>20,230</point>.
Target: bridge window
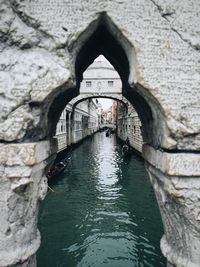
<point>88,83</point>
<point>110,83</point>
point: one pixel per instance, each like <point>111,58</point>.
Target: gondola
<point>107,133</point>
<point>125,151</point>
<point>55,170</point>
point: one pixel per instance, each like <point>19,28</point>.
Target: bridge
<point>107,125</point>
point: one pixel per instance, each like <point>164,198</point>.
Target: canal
<point>102,213</point>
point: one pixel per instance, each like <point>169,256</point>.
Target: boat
<point>125,150</point>
<point>107,133</point>
<point>55,170</point>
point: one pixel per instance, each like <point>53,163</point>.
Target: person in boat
<point>112,131</point>
<point>49,173</point>
<point>126,147</point>
<point>125,150</point>
<point>60,165</point>
<point>58,168</point>
<point>107,133</point>
<point>127,142</point>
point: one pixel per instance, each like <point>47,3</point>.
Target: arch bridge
<point>107,125</point>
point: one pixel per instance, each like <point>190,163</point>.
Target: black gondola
<point>57,169</point>
<point>107,133</point>
<point>125,150</point>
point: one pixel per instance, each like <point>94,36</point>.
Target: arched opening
<point>103,37</point>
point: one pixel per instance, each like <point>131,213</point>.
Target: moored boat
<point>55,170</point>
<point>125,150</point>
<point>107,133</point>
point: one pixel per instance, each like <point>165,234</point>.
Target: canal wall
<point>129,126</point>
<point>76,123</point>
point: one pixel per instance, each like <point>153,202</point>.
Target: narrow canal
<point>103,212</point>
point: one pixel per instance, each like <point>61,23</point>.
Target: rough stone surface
<point>178,199</point>
<point>31,262</point>
<point>22,185</point>
<point>176,164</point>
<point>129,126</point>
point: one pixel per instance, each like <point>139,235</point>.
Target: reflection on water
<point>103,212</point>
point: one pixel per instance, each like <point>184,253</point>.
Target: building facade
<point>76,123</point>
<point>129,125</point>
<point>101,78</point>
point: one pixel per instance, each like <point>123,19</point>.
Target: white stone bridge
<point>45,47</point>
<point>108,125</point>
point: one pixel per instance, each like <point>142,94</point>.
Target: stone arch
<point>103,37</point>
<point>80,98</point>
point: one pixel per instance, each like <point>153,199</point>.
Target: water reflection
<point>103,212</point>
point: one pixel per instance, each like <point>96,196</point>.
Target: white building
<point>101,78</point>
<point>129,125</point>
<point>76,123</point>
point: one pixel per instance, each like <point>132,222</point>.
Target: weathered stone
<point>176,164</point>
<point>22,186</point>
<point>25,154</point>
<point>28,77</point>
<point>18,171</point>
<point>31,262</point>
<point>3,154</point>
<point>16,125</point>
<point>178,199</point>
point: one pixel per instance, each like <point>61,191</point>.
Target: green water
<point>103,211</point>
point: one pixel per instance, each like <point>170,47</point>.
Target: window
<point>88,83</point>
<point>110,83</point>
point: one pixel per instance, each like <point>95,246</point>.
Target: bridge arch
<point>81,98</point>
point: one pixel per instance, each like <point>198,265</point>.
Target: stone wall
<point>23,186</point>
<point>61,131</point>
<point>83,121</point>
<point>176,182</point>
<point>101,79</point>
<point>129,125</point>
